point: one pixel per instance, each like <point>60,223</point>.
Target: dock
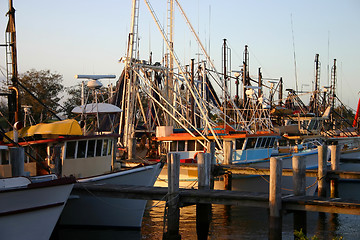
<point>277,202</point>
<point>225,197</point>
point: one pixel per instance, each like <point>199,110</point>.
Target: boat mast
<point>170,77</point>
<point>12,71</point>
<point>317,85</point>
<point>130,77</point>
<point>332,91</point>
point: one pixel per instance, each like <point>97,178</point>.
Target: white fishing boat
<point>245,149</point>
<point>89,158</point>
<point>89,154</point>
<point>30,206</point>
<point>90,209</point>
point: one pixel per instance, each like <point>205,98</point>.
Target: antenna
<point>293,39</point>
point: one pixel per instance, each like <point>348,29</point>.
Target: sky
<point>89,37</point>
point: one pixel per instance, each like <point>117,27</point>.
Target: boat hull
<point>90,209</point>
<point>31,213</point>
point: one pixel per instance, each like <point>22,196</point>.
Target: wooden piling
<point>173,211</point>
<point>204,167</point>
<point>211,151</point>
<point>228,153</point>
<point>335,160</point>
<point>322,165</point>
<point>299,182</point>
<point>275,205</point>
<point>17,155</point>
<point>203,210</point>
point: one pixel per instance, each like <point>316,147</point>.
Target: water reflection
<point>95,234</point>
<point>227,222</point>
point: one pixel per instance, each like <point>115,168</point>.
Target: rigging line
<point>198,102</point>
<point>37,99</point>
<point>293,40</point>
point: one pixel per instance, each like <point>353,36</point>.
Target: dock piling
<point>275,204</point>
<point>203,210</point>
<point>173,211</point>
<point>299,182</point>
<point>322,165</point>
<point>299,165</point>
<point>228,146</point>
<point>211,151</point>
<point>335,159</point>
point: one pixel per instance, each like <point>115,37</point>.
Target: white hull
<point>187,179</point>
<point>88,209</point>
<point>31,213</point>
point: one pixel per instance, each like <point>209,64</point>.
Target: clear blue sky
<point>89,37</point>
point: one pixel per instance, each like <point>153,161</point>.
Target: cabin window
<point>81,149</point>
<point>283,142</point>
<point>250,143</point>
<point>109,147</point>
<point>191,145</point>
<point>98,147</point>
<point>173,146</point>
<point>105,146</point>
<point>70,149</point>
<point>4,156</point>
<point>181,146</point>
<point>264,143</point>
<point>271,143</point>
<point>199,146</point>
<point>239,143</point>
<point>91,148</point>
<point>259,142</point>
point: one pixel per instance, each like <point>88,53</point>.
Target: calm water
<point>232,222</point>
<point>228,222</point>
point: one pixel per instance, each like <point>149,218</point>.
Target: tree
<point>46,87</point>
<point>73,100</point>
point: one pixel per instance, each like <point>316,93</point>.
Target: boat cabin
<point>250,147</point>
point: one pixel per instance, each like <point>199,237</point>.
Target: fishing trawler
<point>67,149</point>
<point>30,205</point>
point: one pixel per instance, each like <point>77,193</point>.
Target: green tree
<point>73,100</point>
<point>46,87</point>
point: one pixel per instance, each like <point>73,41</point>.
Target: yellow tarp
<point>65,127</point>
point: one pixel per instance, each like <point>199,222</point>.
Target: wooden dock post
<point>299,182</point>
<point>322,165</point>
<point>335,159</point>
<point>228,154</point>
<point>204,167</point>
<point>211,151</point>
<point>17,155</point>
<point>275,205</point>
<point>173,211</point>
<point>299,167</point>
<point>203,210</point>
